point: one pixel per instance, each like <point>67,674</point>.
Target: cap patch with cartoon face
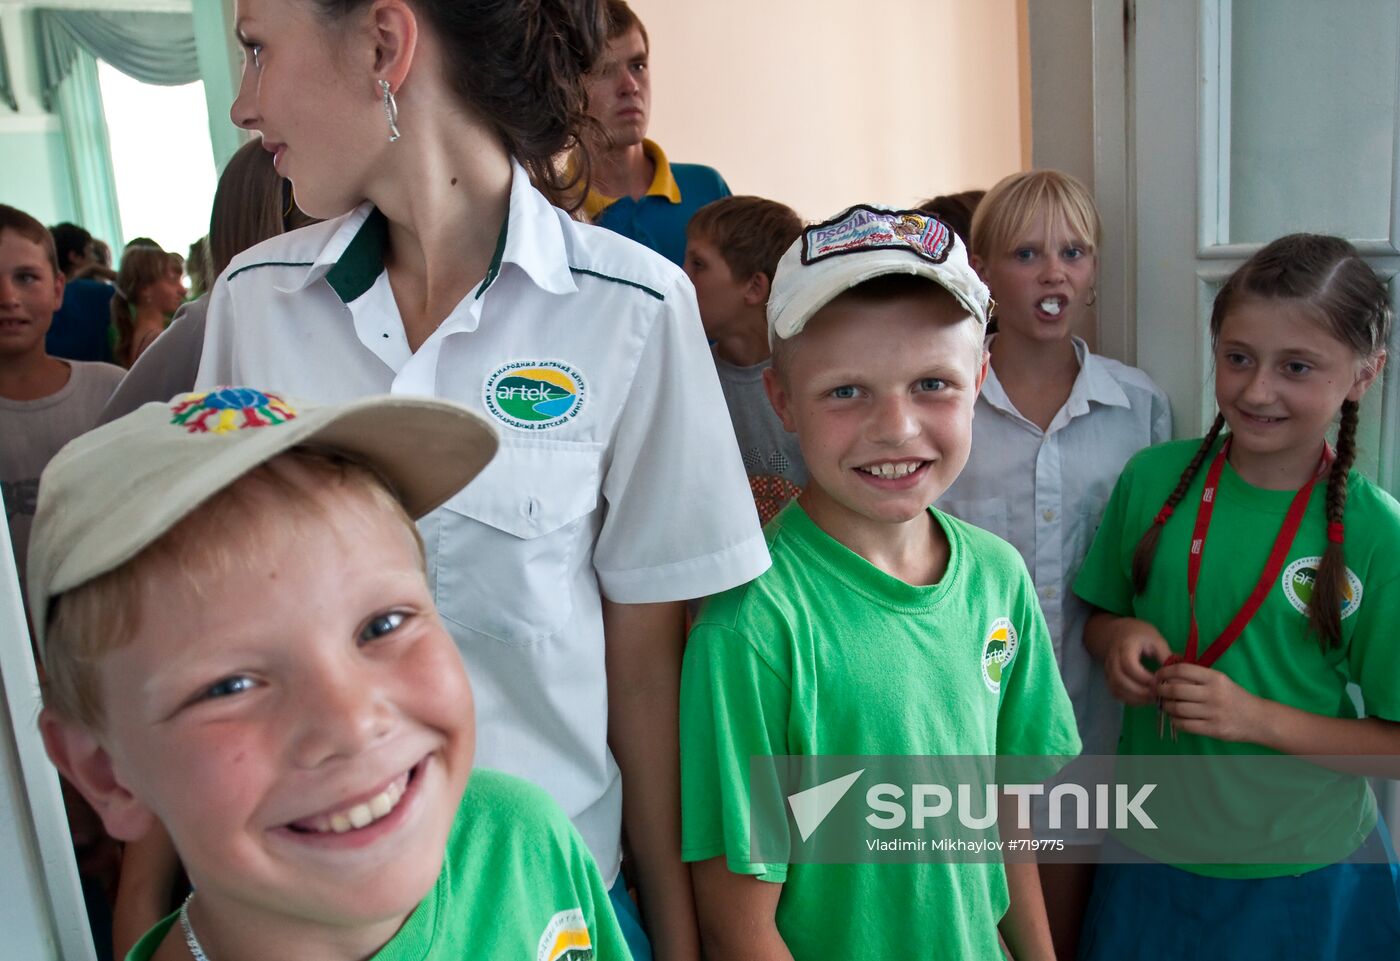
<point>863,228</point>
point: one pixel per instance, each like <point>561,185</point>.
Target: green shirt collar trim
<point>355,271</point>
<point>497,256</point>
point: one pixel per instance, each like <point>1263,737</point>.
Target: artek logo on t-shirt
<point>997,652</point>
<point>1299,578</point>
<point>565,938</point>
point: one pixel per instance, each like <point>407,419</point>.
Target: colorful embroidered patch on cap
<point>565,938</point>
<point>534,394</point>
<point>226,409</point>
<point>863,228</point>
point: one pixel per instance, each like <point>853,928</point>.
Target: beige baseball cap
<point>115,490</point>
<point>859,244</point>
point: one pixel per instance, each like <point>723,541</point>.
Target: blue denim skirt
<point>1154,912</point>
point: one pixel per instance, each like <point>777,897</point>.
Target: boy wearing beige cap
<point>239,643</point>
<point>884,626</point>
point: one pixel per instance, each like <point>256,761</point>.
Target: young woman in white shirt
<point>425,132</point>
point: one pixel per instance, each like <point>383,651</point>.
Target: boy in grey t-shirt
<point>732,249</point>
<point>44,402</point>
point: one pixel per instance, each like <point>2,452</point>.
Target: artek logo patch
<point>997,652</point>
<point>535,394</point>
<point>1300,577</point>
<point>565,938</point>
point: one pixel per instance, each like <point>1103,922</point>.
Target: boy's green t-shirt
<point>517,882</point>
<point>825,654</point>
<point>1250,812</point>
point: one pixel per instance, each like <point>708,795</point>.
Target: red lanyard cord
<point>1292,521</point>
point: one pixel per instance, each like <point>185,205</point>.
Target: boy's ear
<point>779,398</point>
<point>982,372</point>
<point>1370,373</point>
<point>976,263</point>
<point>395,28</point>
<point>756,289</point>
<point>82,759</point>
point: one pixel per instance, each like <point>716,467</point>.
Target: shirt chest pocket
<point>505,550</point>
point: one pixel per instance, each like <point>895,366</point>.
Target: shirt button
<point>1049,593</point>
<point>1048,515</point>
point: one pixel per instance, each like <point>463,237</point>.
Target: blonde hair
<point>1006,212</point>
<point>297,491</point>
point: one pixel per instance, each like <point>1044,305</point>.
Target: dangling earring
<point>391,111</point>
<point>1093,297</point>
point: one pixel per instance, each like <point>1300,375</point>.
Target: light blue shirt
<point>1045,491</point>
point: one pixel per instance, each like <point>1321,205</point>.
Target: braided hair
<point>1350,301</point>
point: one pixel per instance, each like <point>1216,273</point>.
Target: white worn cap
<point>114,491</point>
<point>859,244</point>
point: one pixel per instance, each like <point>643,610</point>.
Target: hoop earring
<point>1093,297</point>
<point>391,111</point>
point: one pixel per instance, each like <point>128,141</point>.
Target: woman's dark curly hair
<point>520,64</point>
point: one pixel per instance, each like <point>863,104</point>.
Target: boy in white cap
<point>884,626</point>
<point>239,643</point>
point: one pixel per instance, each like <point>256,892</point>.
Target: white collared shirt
<point>1045,491</point>
<point>637,493</point>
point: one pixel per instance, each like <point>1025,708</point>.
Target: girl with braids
<point>1241,583</point>
<point>425,133</point>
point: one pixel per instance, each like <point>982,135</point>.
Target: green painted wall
<point>35,177</point>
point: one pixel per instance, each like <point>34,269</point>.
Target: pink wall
<point>823,103</point>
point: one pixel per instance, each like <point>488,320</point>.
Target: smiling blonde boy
<point>870,633</point>
<point>239,643</point>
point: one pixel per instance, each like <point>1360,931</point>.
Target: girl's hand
<point>1131,642</point>
<point>1202,700</point>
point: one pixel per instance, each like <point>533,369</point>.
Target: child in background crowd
<point>82,324</point>
<point>956,211</point>
<point>1055,426</point>
<point>150,288</point>
<point>1299,334</point>
<point>309,753</point>
<point>251,203</point>
<point>732,249</point>
<point>871,633</point>
<point>44,402</point>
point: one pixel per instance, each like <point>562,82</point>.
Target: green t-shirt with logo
<point>517,882</point>
<point>825,654</point>
<point>1266,816</point>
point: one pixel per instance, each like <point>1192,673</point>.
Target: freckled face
<point>302,727</point>
<point>880,395</point>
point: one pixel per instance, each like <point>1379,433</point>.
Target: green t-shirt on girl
<point>1265,816</point>
<point>825,654</point>
<point>517,882</point>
